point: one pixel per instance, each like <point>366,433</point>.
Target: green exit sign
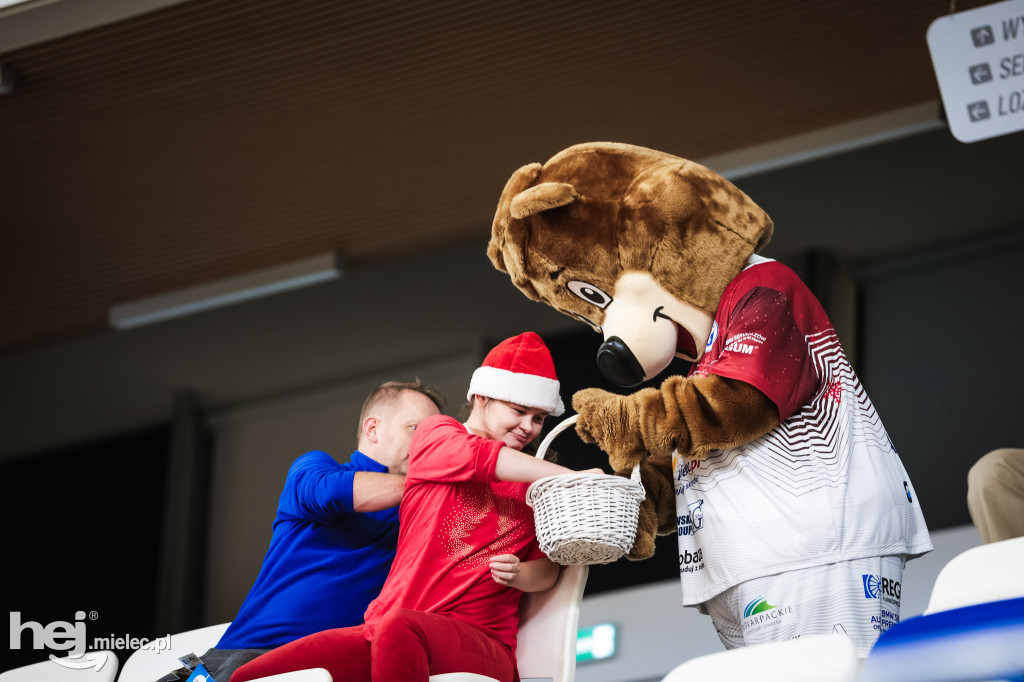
<point>595,643</point>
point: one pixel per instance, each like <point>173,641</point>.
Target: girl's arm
<point>520,467</point>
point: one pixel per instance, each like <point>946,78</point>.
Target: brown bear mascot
<point>793,511</point>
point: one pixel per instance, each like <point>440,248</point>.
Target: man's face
<point>513,424</point>
<point>396,426</point>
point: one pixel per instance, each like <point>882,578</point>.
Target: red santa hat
<point>519,370</point>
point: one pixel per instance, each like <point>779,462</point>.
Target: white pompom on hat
<point>519,370</point>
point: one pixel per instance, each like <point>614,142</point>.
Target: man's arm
<point>373,491</point>
<point>529,576</point>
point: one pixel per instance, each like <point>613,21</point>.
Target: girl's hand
<point>505,568</point>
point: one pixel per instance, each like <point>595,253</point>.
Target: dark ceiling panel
<point>214,138</point>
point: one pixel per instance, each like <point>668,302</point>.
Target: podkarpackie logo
<point>759,614</point>
<point>757,606</point>
<point>70,637</point>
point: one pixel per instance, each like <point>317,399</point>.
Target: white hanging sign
<point>979,62</point>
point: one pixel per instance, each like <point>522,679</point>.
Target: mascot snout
<point>618,363</point>
<point>645,327</point>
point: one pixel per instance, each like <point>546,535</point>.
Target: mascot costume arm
<point>640,245</point>
<point>688,416</point>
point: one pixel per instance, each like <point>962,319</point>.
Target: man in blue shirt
<point>334,535</point>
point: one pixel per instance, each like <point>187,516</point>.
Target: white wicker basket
<point>584,518</point>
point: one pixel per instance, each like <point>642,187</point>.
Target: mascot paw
<point>643,545</point>
<point>656,474</point>
<point>611,421</point>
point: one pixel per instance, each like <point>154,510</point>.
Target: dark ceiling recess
<point>213,138</point>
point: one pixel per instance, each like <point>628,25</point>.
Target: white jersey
<point>824,486</point>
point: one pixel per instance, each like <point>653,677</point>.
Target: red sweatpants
<point>408,646</point>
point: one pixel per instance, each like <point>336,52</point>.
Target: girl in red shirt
<point>467,548</point>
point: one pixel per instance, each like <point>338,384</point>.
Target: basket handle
<point>546,443</point>
<point>562,426</point>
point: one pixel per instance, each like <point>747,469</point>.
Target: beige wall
<point>255,444</point>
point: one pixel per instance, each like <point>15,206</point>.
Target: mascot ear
<point>542,197</point>
<point>510,233</point>
<point>498,249</point>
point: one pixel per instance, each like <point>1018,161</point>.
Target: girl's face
<point>514,425</point>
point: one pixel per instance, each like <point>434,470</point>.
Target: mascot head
<point>637,243</point>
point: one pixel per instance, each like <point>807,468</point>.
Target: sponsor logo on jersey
<point>759,615</point>
<point>691,562</point>
<point>758,605</point>
<point>693,520</point>
<point>744,343</point>
<point>711,339</point>
<point>876,587</point>
<point>684,468</point>
<point>687,467</point>
<point>884,620</point>
<point>888,592</point>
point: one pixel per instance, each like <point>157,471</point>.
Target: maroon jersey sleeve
<point>760,343</point>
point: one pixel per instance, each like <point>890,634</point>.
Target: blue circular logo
<point>714,335</point>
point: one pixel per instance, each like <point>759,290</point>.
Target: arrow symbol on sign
<point>92,660</point>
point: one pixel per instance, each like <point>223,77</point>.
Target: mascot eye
<point>589,293</point>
